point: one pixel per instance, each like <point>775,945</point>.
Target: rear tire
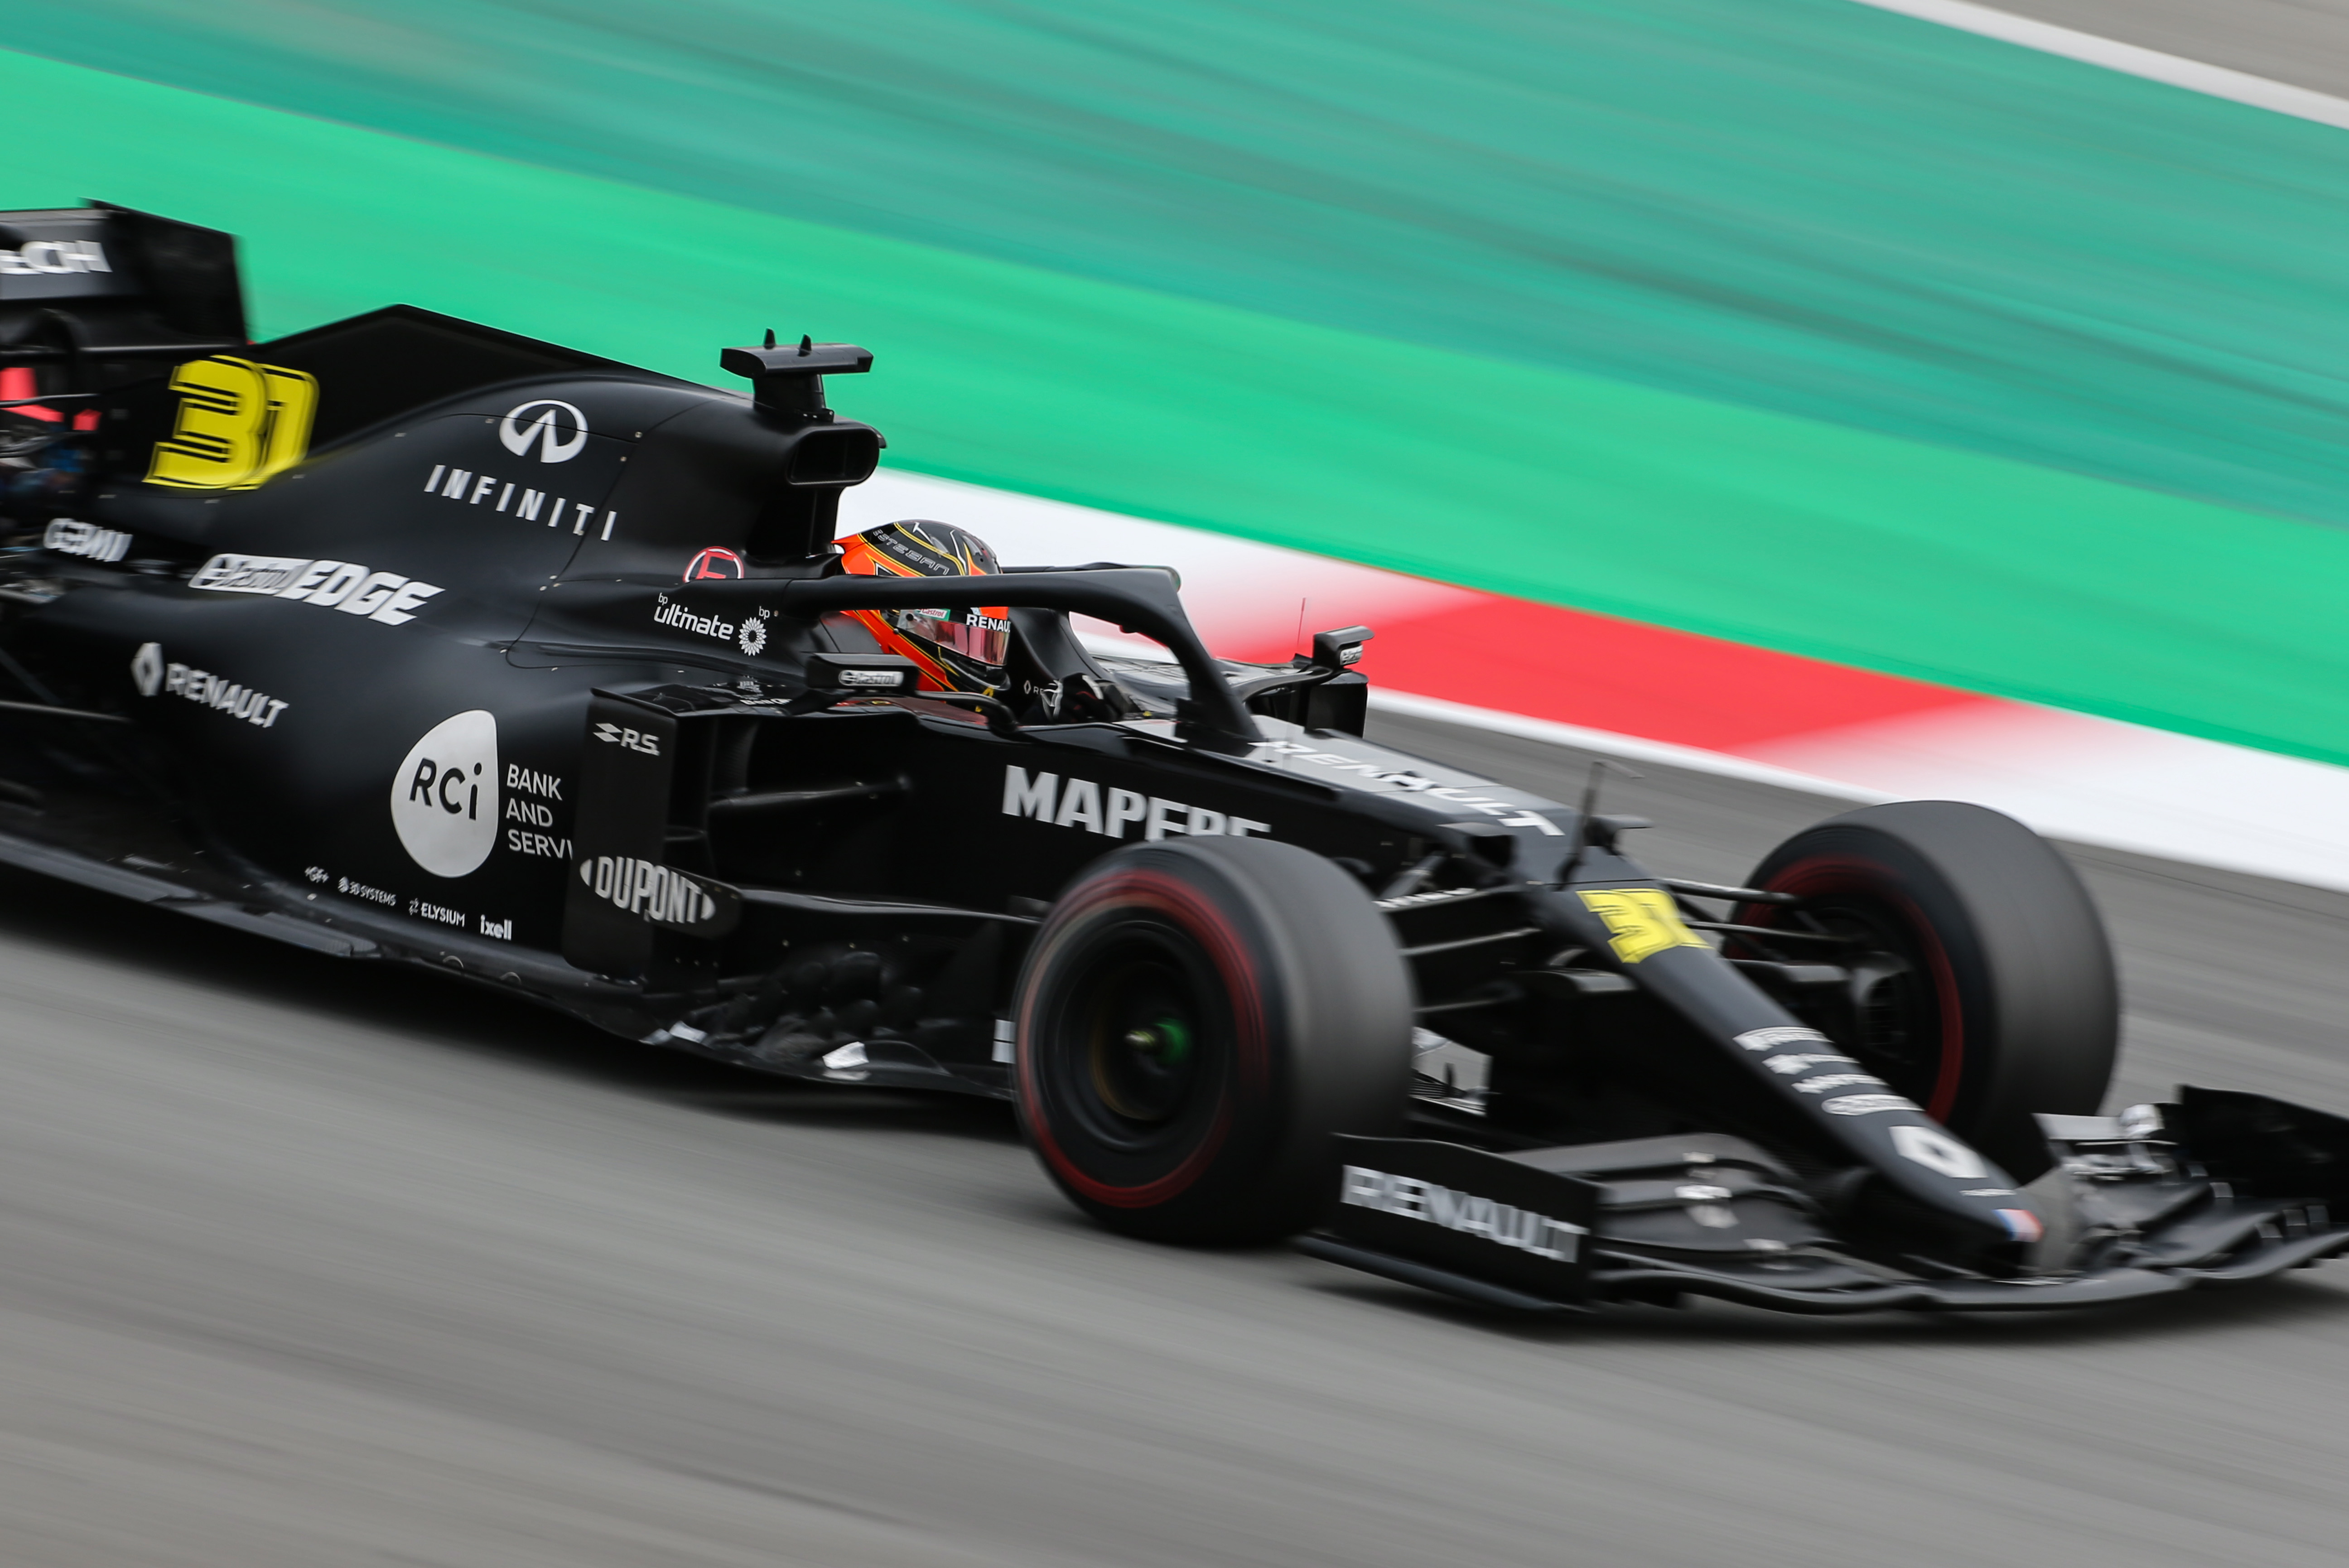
<point>1197,1020</point>
<point>1984,982</point>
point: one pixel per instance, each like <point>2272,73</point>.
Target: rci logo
<point>238,424</point>
<point>444,799</point>
<point>556,441</point>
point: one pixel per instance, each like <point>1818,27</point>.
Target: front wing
<point>2217,1189</point>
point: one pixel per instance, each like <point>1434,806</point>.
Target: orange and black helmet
<point>957,650</point>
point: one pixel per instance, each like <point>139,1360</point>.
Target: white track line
<point>1608,743</point>
<point>2217,82</point>
<point>2088,780</point>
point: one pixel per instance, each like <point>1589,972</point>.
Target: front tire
<point>1197,1020</point>
<point>1982,981</point>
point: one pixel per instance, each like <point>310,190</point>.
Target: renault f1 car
<point>411,640</point>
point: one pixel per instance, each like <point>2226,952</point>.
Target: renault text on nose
<point>1409,1197</point>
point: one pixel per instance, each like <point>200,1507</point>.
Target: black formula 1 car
<point>407,639</point>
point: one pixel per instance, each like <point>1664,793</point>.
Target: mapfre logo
<point>1081,802</point>
<point>558,430</point>
<point>714,565</point>
<point>444,799</point>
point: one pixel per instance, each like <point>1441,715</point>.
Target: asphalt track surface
<point>2303,42</point>
<point>311,1264</point>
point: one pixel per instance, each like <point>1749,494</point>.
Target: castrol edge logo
<point>444,798</point>
<point>387,598</point>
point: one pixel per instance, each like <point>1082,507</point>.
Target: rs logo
<point>634,740</point>
<point>239,423</point>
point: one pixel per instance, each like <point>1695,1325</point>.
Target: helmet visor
<point>981,636</point>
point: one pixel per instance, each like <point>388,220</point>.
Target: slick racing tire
<point>1197,1020</point>
<point>1982,979</point>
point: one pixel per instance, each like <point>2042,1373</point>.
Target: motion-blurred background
<point>1956,369</point>
<point>1817,400</point>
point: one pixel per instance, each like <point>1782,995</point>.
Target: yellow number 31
<point>239,423</point>
<point>1640,923</point>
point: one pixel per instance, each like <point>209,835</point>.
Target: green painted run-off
<point>1798,324</point>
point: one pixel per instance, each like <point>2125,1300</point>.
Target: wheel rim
<point>1895,1028</point>
<point>1141,1042</point>
<point>1904,1020</point>
<point>1137,1048</point>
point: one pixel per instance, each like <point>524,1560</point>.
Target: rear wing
<point>98,299</point>
<point>93,296</point>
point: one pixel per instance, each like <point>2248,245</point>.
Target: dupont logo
<point>651,891</point>
<point>557,430</point>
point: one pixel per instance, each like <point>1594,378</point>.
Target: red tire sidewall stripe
<point>1820,875</point>
<point>1198,917</point>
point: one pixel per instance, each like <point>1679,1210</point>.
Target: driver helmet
<point>955,649</point>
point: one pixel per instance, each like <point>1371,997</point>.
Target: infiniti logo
<point>556,441</point>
